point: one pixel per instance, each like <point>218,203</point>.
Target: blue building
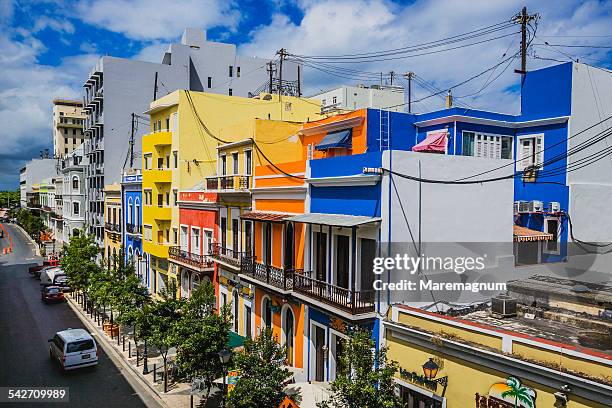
<point>131,193</point>
<point>543,168</point>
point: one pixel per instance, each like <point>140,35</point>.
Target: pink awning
<point>435,142</point>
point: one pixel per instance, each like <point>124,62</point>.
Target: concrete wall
<point>590,186</point>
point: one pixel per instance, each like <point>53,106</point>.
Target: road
<point>26,324</point>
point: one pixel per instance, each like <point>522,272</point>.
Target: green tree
<point>519,392</point>
<point>30,222</point>
<point>364,377</point>
<point>163,316</point>
<point>200,335</point>
<point>262,375</point>
<point>78,261</point>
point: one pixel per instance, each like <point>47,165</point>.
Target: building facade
<point>349,98</point>
<point>131,193</point>
<point>113,225</point>
<point>73,193</point>
<point>68,121</point>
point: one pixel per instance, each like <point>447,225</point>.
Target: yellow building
<point>112,223</point>
<point>181,152</point>
<point>477,360</point>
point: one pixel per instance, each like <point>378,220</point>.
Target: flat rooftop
<point>590,293</point>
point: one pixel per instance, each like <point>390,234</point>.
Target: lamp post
<point>224,358</point>
<point>430,371</point>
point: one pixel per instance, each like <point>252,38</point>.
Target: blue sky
<point>49,46</point>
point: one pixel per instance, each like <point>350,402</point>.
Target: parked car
<point>73,348</point>
<point>52,294</point>
<point>47,263</point>
<point>54,277</point>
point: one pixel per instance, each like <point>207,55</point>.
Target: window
<point>66,150</point>
<point>159,128</point>
<point>75,208</point>
<point>75,183</point>
<point>174,236</point>
<point>168,198</point>
<point>184,238</point>
<point>66,132</point>
<point>530,151</point>
<point>223,227</point>
<point>323,102</point>
<point>154,126</point>
<point>230,92</point>
<point>247,162</point>
<point>231,71</point>
<point>168,123</point>
<point>235,238</point>
<point>223,165</point>
<point>174,196</point>
<point>167,161</point>
<point>209,82</point>
<point>65,140</point>
<point>160,200</point>
<point>148,233</point>
<point>148,161</point>
<point>74,132</point>
<point>195,241</point>
<point>487,146</point>
<point>160,163</point>
<point>235,162</point>
<point>334,100</point>
<point>175,157</point>
<point>247,322</point>
<point>74,140</point>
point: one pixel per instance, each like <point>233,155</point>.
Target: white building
<point>348,98</point>
<point>73,193</point>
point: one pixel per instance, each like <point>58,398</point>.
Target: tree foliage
<point>78,261</point>
<point>200,335</point>
<point>262,375</point>
<point>364,377</point>
<point>30,222</point>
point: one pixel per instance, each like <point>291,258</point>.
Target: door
<point>267,243</point>
<point>235,238</point>
<point>247,322</point>
<point>368,253</point>
<point>342,261</point>
<point>319,342</point>
<point>289,336</point>
<point>248,228</point>
<point>320,244</point>
<point>223,234</point>
<point>289,244</point>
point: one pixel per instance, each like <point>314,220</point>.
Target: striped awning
<point>522,234</point>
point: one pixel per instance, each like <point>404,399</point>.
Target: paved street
<point>25,325</point>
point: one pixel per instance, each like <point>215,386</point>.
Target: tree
<point>78,261</point>
<point>364,377</point>
<point>163,315</point>
<point>200,335</point>
<point>30,222</point>
<point>262,375</point>
<point>519,392</point>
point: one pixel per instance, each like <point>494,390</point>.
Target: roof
<point>592,293</point>
<point>522,234</point>
<point>265,216</point>
<point>339,138</point>
<point>337,220</point>
<point>74,334</point>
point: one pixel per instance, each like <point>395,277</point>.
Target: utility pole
<point>523,19</point>
<point>299,79</point>
<point>409,76</point>
<point>282,53</point>
<point>132,143</point>
<point>391,76</point>
<point>155,87</point>
<point>270,73</point>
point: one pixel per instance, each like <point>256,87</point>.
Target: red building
<point>197,230</point>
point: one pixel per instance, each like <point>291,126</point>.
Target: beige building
<point>68,119</point>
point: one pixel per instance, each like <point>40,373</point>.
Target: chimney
<point>449,100</point>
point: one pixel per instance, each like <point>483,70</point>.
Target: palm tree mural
<point>521,394</point>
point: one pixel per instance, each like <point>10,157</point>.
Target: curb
<point>147,393</point>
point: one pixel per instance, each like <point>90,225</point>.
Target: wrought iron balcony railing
<point>112,227</point>
<point>271,275</point>
<point>228,182</point>
<point>226,255</point>
<point>354,302</point>
<point>198,261</point>
<point>133,229</point>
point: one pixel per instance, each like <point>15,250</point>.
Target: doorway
<point>342,261</point>
<point>288,323</point>
<point>319,344</point>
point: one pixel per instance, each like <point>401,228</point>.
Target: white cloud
<point>156,19</point>
<point>334,27</point>
<point>153,52</point>
<point>62,26</point>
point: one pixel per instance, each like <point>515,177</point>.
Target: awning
<point>435,142</point>
<point>265,216</point>
<point>336,220</point>
<point>341,138</point>
<point>522,234</point>
<point>235,340</point>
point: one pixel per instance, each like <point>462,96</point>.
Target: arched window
<point>130,254</point>
<point>75,183</point>
<point>235,308</point>
<point>195,282</point>
<point>130,214</point>
<point>266,312</point>
<point>288,322</point>
<point>136,212</point>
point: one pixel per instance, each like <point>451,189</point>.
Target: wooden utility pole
<point>270,73</point>
<point>132,143</point>
<point>523,19</point>
<point>409,76</point>
<point>281,53</point>
<point>155,87</point>
<point>391,76</point>
<point>299,81</point>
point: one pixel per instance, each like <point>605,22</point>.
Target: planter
<point>111,329</point>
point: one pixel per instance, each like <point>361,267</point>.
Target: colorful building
<point>181,151</point>
<point>131,193</point>
<point>113,223</point>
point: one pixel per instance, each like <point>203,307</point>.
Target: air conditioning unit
<point>523,206</point>
<point>503,306</point>
<point>554,206</point>
<point>536,206</point>
<point>517,205</point>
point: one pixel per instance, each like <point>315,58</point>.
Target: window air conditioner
<point>554,206</point>
<point>536,206</point>
<point>523,206</point>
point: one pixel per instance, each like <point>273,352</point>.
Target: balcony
<point>227,256</point>
<point>200,262</point>
<point>271,276</point>
<point>346,300</point>
<point>234,183</point>
<point>161,175</point>
<point>133,229</point>
<point>112,227</point>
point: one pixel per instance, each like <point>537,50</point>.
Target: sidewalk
<point>151,393</point>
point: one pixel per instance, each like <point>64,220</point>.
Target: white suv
<point>73,348</point>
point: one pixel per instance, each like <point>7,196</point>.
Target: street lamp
<point>430,369</point>
<point>224,358</point>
